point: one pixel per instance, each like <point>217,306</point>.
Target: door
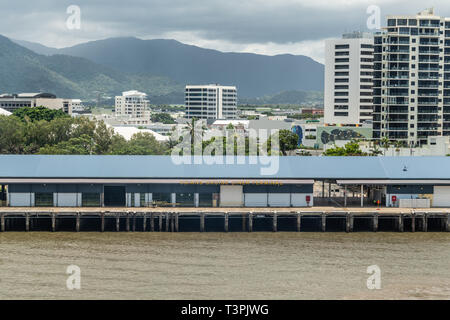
<point>114,196</point>
<point>441,196</point>
<point>255,199</point>
<point>231,196</point>
<point>279,199</point>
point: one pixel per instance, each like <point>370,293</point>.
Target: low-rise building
<point>139,181</point>
<point>11,102</point>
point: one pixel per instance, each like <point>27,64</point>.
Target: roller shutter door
<point>67,199</point>
<point>231,196</point>
<point>279,199</point>
<point>299,200</point>
<point>441,196</point>
<point>255,199</point>
<point>20,199</point>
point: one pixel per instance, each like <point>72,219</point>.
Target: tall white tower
<point>348,79</point>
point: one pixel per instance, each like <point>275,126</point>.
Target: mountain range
<point>160,68</point>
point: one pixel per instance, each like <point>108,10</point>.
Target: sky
<point>259,26</point>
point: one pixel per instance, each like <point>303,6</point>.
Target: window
<point>342,46</point>
<point>43,199</point>
<point>90,200</point>
<point>162,199</point>
<point>341,114</point>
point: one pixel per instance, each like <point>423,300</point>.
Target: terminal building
<point>145,181</point>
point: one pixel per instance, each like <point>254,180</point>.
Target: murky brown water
<point>224,266</point>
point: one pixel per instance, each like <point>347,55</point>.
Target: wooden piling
<point>400,223</point>
<point>447,227</point>
<point>102,217</point>
<point>226,216</point>
<point>347,223</point>
<point>413,222</point>
<point>160,222</point>
<point>77,224</point>
<point>2,222</point>
<point>118,222</point>
<point>324,221</point>
<point>134,221</point>
<point>176,222</point>
<point>172,222</point>
<point>167,221</point>
<point>144,222</point>
<point>202,222</point>
<point>152,222</point>
<point>250,222</point>
<point>27,222</point>
<point>275,222</point>
<point>425,222</point>
<point>53,222</point>
<point>375,222</point>
<point>127,223</point>
<point>243,222</point>
<point>299,221</point>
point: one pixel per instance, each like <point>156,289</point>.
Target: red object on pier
<point>308,199</point>
<point>394,198</point>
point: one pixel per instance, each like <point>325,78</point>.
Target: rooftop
<point>61,166</point>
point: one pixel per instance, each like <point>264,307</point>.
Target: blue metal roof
<point>43,166</point>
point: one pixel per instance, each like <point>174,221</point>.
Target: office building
<point>210,101</point>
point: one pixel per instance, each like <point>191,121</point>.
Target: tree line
<point>44,131</point>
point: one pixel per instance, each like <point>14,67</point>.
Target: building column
<point>173,199</point>
<point>196,200</point>
<point>362,195</point>
<point>345,195</point>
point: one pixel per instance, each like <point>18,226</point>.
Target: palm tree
<point>385,143</point>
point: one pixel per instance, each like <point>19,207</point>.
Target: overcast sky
<point>258,26</point>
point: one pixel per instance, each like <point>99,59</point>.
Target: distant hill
<point>254,75</point>
<point>23,70</point>
<point>286,98</point>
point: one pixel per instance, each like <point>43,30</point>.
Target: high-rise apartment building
<point>412,78</point>
<point>131,104</point>
<point>348,79</point>
<point>210,101</point>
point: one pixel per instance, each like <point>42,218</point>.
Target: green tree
<point>140,144</point>
<point>350,149</point>
<point>39,113</point>
<point>82,145</point>
<point>11,135</point>
<point>288,141</point>
<point>162,117</point>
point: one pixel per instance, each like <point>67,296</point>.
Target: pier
<point>327,219</point>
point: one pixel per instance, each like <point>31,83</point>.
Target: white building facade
<point>11,102</point>
<point>211,101</point>
<point>132,104</point>
<point>348,79</point>
<point>412,78</point>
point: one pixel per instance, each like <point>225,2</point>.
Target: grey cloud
<point>242,22</point>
